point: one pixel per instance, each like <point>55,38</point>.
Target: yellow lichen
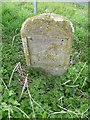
<point>50,56</point>
<point>27,59</point>
<point>55,46</point>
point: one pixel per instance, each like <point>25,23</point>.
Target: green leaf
<point>14,102</point>
<point>4,106</point>
<point>44,115</point>
<point>11,92</point>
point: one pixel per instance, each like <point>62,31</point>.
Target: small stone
<point>47,42</point>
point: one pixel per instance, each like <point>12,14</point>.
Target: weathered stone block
<point>47,42</point>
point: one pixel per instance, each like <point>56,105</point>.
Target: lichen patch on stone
<point>49,42</point>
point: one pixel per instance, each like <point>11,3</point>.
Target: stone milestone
<point>47,42</point>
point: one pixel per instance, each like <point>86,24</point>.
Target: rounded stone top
<point>46,18</point>
<point>47,42</point>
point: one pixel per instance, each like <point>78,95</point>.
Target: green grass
<point>52,96</point>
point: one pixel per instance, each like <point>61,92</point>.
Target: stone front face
<point>47,41</point>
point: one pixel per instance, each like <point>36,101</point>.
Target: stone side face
<point>47,42</point>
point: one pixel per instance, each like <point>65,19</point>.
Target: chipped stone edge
<point>25,43</point>
<point>72,27</point>
<point>26,52</point>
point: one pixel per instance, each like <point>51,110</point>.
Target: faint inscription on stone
<point>47,42</point>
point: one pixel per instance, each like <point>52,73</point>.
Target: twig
<point>38,105</point>
<point>85,111</point>
<point>16,30</point>
<point>62,107</point>
<point>13,73</point>
<point>72,86</point>
<point>25,84</point>
<point>62,111</point>
<point>21,111</point>
<point>79,73</point>
<point>82,93</point>
<point>14,38</point>
<point>84,82</point>
<point>61,98</point>
<point>9,112</point>
<point>65,111</point>
<point>4,83</point>
<point>68,110</point>
<point>30,96</point>
<point>66,82</point>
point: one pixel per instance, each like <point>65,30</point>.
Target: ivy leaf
<point>14,102</point>
<point>11,92</point>
<point>4,106</point>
